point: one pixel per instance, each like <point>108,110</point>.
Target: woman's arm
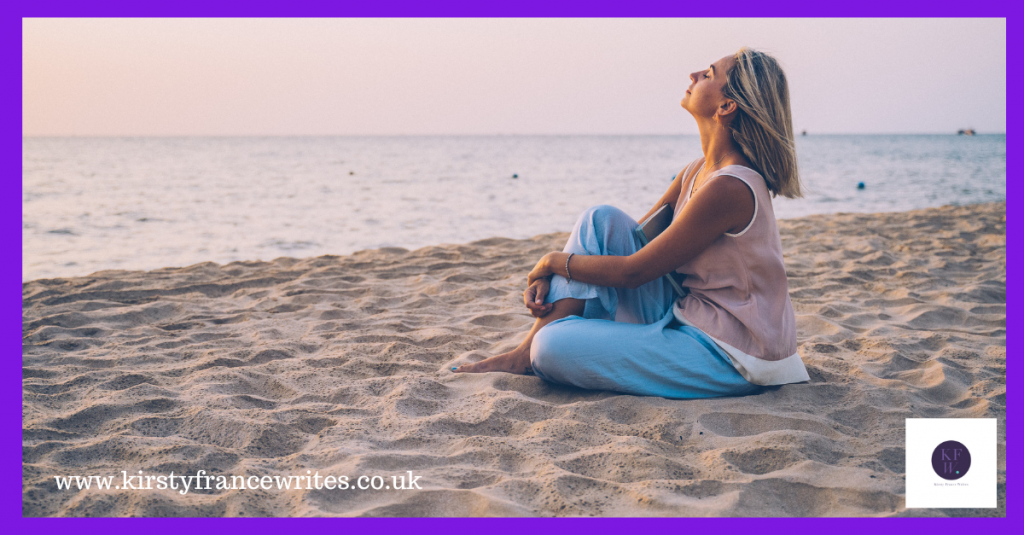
<point>671,195</point>
<point>719,206</point>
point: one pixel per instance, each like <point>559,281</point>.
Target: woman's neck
<point>718,146</point>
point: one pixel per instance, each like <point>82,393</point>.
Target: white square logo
<point>951,462</point>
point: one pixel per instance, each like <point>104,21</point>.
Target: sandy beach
<point>340,365</point>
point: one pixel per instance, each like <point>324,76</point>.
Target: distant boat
<point>967,132</point>
<point>804,133</point>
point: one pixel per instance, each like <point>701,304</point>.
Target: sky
<point>223,77</point>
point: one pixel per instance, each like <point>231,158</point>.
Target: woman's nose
<point>693,77</point>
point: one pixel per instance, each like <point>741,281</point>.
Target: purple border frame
<point>10,232</point>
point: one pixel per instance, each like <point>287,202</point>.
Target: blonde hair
<point>763,126</point>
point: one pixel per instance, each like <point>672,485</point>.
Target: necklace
<point>702,169</point>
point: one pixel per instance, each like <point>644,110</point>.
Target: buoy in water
<point>860,185</point>
<point>514,175</point>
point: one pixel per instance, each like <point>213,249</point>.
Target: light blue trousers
<point>627,340</point>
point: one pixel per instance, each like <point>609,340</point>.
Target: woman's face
<point>704,96</point>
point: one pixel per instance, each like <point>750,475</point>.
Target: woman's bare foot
<point>516,361</point>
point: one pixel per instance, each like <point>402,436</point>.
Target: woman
<point>608,320</point>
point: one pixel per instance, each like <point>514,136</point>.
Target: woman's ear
<point>727,108</point>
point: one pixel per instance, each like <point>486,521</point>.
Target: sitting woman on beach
<point>608,319</point>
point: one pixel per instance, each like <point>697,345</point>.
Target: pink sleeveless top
<point>738,292</point>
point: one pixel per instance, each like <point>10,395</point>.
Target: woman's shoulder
<point>749,175</point>
<point>732,168</point>
<point>692,167</point>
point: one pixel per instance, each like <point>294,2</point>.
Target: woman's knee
<point>605,214</point>
<point>601,228</point>
<point>601,210</point>
<point>551,345</point>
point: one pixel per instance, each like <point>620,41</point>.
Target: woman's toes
<point>516,361</point>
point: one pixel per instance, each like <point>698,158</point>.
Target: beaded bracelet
<point>569,275</point>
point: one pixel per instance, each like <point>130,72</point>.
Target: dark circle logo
<point>951,460</point>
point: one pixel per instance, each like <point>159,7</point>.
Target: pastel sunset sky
<point>118,77</point>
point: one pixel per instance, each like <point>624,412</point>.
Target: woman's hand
<point>542,270</point>
<point>534,298</point>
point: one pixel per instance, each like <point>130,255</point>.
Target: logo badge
<point>951,460</point>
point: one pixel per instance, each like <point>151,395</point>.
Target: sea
<point>142,203</point>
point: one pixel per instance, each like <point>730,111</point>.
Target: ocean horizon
<point>141,202</point>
